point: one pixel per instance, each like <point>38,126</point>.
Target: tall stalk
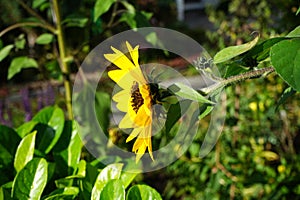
<point>63,59</point>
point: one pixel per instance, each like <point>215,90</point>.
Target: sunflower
<point>134,99</point>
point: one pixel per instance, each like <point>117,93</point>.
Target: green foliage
<point>60,172</point>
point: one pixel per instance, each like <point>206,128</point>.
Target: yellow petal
<point>122,99</point>
<point>133,134</point>
<point>127,122</point>
<point>142,118</point>
<point>134,53</point>
<point>119,59</point>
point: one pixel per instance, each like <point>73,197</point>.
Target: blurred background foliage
<point>257,156</point>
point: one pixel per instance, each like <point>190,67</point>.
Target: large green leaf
<point>233,51</point>
<point>102,109</point>
<point>68,149</point>
<point>50,127</point>
<point>25,151</point>
<point>19,63</point>
<point>142,192</point>
<point>113,190</point>
<point>45,38</point>
<point>5,51</point>
<point>285,57</point>
<point>31,180</point>
<point>101,7</point>
<point>110,172</point>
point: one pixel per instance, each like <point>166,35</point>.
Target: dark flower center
<point>136,97</point>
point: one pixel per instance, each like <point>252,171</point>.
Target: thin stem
<point>33,13</point>
<point>237,78</point>
<point>22,24</point>
<point>63,59</point>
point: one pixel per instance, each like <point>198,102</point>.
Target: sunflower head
<point>135,98</point>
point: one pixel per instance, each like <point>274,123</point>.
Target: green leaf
<point>101,7</point>
<point>294,33</point>
<point>110,172</point>
<point>129,173</point>
<point>5,51</point>
<point>63,193</point>
<point>9,141</point>
<point>233,51</point>
<point>187,92</point>
<point>19,63</point>
<point>175,112</point>
<point>37,3</point>
<point>45,38</point>
<point>142,192</point>
<point>261,51</point>
<point>113,190</point>
<point>31,180</point>
<point>75,21</point>
<point>102,109</point>
<point>51,126</point>
<point>285,57</point>
<point>136,19</point>
<point>25,151</point>
<point>288,92</point>
<point>68,149</point>
<point>20,42</point>
<point>26,128</point>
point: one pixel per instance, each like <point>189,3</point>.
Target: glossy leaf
<point>233,51</point>
<point>102,109</point>
<point>45,38</point>
<point>5,51</point>
<point>19,63</point>
<point>130,171</point>
<point>68,149</point>
<point>101,7</point>
<point>51,125</point>
<point>26,128</point>
<point>110,172</point>
<point>285,57</point>
<point>63,193</point>
<point>31,180</point>
<point>25,151</point>
<point>294,33</point>
<point>187,92</point>
<point>113,190</point>
<point>142,192</point>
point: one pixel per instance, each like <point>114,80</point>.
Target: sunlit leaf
<point>112,171</point>
<point>5,51</point>
<point>25,151</point>
<point>31,180</point>
<point>19,63</point>
<point>142,192</point>
<point>113,190</point>
<point>45,38</point>
<point>101,7</point>
<point>233,51</point>
<point>294,33</point>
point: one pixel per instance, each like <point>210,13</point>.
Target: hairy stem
<point>237,78</point>
<point>63,59</point>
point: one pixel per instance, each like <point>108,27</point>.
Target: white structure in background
<point>183,6</point>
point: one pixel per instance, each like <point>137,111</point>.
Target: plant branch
<point>63,58</point>
<point>33,13</point>
<point>23,24</point>
<point>234,79</point>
